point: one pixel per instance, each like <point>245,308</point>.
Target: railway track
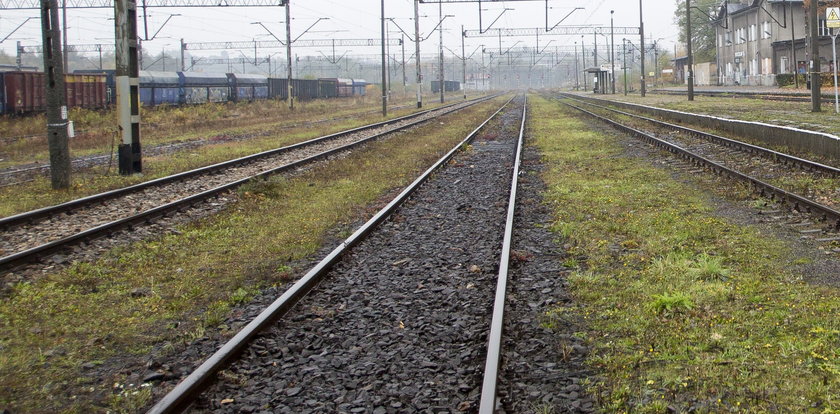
<point>408,312</point>
<point>20,175</point>
<point>768,172</point>
<point>31,236</point>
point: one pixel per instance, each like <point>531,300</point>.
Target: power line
<point>109,4</point>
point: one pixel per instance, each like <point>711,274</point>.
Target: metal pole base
<point>129,159</point>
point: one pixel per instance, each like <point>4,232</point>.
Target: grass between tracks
<point>684,308</point>
<point>110,313</point>
<point>96,130</point>
<point>37,194</point>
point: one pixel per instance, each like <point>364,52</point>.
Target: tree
<point>702,29</point>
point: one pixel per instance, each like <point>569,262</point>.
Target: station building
<point>757,40</point>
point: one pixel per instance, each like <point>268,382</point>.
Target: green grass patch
<point>55,331</point>
<point>684,309</point>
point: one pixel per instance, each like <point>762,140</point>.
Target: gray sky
<point>351,19</point>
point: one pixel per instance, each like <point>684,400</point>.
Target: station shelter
<point>600,78</point>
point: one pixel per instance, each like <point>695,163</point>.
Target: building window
<point>766,30</point>
<point>752,33</point>
<point>727,38</point>
<point>767,66</point>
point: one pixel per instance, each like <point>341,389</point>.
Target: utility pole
<point>417,53</point>
<point>128,86</point>
<point>577,79</point>
<point>642,46</point>
<point>794,64</point>
<point>57,124</point>
<point>612,53</point>
<point>464,61</point>
<point>813,26</point>
<point>624,52</point>
<point>405,80</point>
<point>583,56</point>
<point>183,65</point>
<point>690,61</point>
<point>384,75</point>
<point>64,33</point>
<point>289,55</point>
<point>440,31</point>
<point>655,64</point>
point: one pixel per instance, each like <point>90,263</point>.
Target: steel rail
<point>728,142</point>
<point>182,395</point>
<point>797,202</point>
<point>494,341</point>
<point>45,212</point>
<point>30,255</point>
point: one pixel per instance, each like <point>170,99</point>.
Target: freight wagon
<point>303,89</point>
<point>158,88</point>
<point>247,87</point>
<point>23,92</point>
<point>197,87</point>
<point>448,86</point>
<point>349,87</point>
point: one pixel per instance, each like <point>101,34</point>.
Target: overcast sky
<point>351,19</point>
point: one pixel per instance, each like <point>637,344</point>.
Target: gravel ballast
<point>400,324</point>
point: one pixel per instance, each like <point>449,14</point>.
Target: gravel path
<point>64,225</point>
<point>400,325</point>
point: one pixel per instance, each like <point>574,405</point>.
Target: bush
<point>786,79</point>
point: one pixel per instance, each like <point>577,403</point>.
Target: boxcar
<point>24,92</point>
<point>197,88</point>
<point>247,87</point>
<point>157,88</point>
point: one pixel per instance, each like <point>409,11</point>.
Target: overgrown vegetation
<point>685,310</point>
<point>57,331</point>
<point>97,134</point>
<point>28,196</point>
